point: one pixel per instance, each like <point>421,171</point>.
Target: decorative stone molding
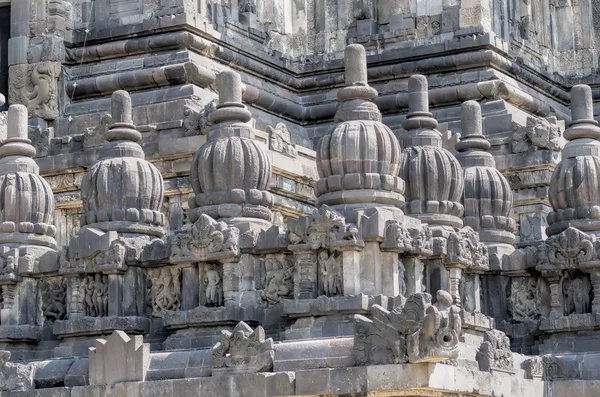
<point>558,368</point>
<point>571,249</point>
<point>243,351</point>
<point>165,290</point>
<point>324,228</point>
<point>205,240</point>
<point>494,353</point>
<point>35,85</point>
<point>407,240</point>
<point>121,358</point>
<point>416,332</point>
<point>464,250</point>
<point>281,141</point>
<point>14,377</point>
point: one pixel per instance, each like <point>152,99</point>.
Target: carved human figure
<point>279,282</point>
<point>212,285</point>
<point>7,265</point>
<point>100,294</point>
<point>330,272</point>
<point>53,300</point>
<point>577,295</point>
<point>88,287</point>
<point>165,289</point>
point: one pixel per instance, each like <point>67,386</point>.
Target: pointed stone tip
<point>355,65</point>
<point>121,110</point>
<point>17,122</point>
<point>229,84</point>
<point>470,113</point>
<point>582,107</point>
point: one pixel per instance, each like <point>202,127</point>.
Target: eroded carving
<point>330,273</point>
<point>213,285</point>
<point>325,228</point>
<point>523,301</point>
<point>15,376</point>
<point>54,294</point>
<point>279,280</point>
<point>96,295</point>
<point>494,353</point>
<point>417,332</point>
<point>280,140</point>
<point>576,292</point>
<point>538,133</point>
<point>205,240</point>
<point>408,240</point>
<point>243,351</point>
<point>165,289</point>
<point>464,249</point>
<point>567,250</point>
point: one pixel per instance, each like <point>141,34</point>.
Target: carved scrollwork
<point>416,332</point>
<point>325,228</point>
<point>205,240</point>
<point>567,250</point>
<point>243,351</point>
<point>463,249</point>
<point>408,240</point>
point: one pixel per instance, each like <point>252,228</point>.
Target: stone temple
<point>300,198</point>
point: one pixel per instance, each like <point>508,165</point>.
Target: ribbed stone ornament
<point>123,192</point>
<point>433,176</point>
<point>575,183</point>
<point>26,199</point>
<point>487,194</point>
<point>358,162</point>
<point>230,173</point>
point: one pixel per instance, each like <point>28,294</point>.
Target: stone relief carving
<point>213,285</point>
<point>96,295</point>
<point>537,133</point>
<point>325,228</point>
<point>247,6</point>
<point>567,250</point>
<point>523,303</point>
<point>408,240</point>
<point>195,118</point>
<point>465,249</point>
<point>494,353</point>
<point>534,367</point>
<point>94,136</point>
<point>243,351</point>
<point>416,332</point>
<point>555,367</point>
<point>54,306</point>
<point>280,140</point>
<point>205,240</point>
<point>279,280</point>
<point>576,292</point>
<point>15,377</point>
<point>34,85</point>
<point>7,265</point>
<point>330,273</point>
<point>165,290</point>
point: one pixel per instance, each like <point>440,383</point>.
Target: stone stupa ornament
<point>575,186</point>
<point>487,194</point>
<point>358,162</point>
<point>433,176</point>
<point>26,201</point>
<point>123,192</point>
<point>230,173</point>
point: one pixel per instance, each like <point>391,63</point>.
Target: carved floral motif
<point>567,250</point>
<point>205,240</point>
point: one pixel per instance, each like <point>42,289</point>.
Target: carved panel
<point>35,86</point>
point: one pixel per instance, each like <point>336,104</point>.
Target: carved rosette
<point>574,192</point>
<point>433,176</point>
<point>26,199</point>
<point>123,192</point>
<point>230,173</point>
<point>358,162</point>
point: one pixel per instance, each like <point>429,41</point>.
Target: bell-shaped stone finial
<point>17,143</point>
<point>230,108</point>
<point>355,65</point>
<point>487,196</point>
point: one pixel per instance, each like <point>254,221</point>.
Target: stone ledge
<point>89,326</point>
<point>20,333</point>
